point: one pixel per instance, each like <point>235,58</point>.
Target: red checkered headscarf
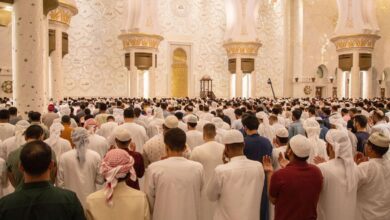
<point>116,164</point>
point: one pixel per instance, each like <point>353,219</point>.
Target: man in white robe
<point>209,155</point>
<point>107,128</point>
<point>280,146</point>
<point>318,146</point>
<point>14,142</point>
<point>58,144</point>
<point>338,196</point>
<point>7,130</point>
<point>137,131</point>
<point>194,137</point>
<point>96,142</point>
<point>155,125</point>
<point>78,169</point>
<point>154,149</point>
<point>174,185</point>
<point>373,197</point>
<point>237,185</point>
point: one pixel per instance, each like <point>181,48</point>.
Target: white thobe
<point>237,187</point>
<point>80,178</point>
<point>173,187</point>
<point>194,138</point>
<point>230,113</point>
<point>106,129</point>
<point>99,144</point>
<point>318,149</point>
<point>373,197</point>
<point>138,134</point>
<point>155,127</point>
<point>209,155</point>
<point>60,147</point>
<point>3,177</point>
<point>183,126</point>
<point>335,202</point>
<point>275,156</point>
<point>9,145</point>
<point>154,149</point>
<point>7,130</point>
<point>237,124</point>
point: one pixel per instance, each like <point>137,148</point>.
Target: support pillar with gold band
<point>141,52</point>
<point>59,22</point>
<point>242,57</point>
<point>355,36</point>
<point>355,57</point>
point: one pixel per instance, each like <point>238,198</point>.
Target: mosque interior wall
<point>95,63</point>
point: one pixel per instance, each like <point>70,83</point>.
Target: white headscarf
<point>318,146</point>
<point>158,113</point>
<point>64,110</point>
<point>265,129</point>
<point>343,149</point>
<point>80,139</point>
<point>55,133</point>
<point>20,128</point>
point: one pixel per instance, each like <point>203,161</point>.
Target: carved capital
<point>242,48</point>
<point>358,41</point>
<point>140,40</point>
<point>63,13</point>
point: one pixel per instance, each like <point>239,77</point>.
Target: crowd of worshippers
<point>196,159</point>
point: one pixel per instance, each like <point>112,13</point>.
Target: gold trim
<point>363,41</point>
<point>5,17</point>
<point>68,4</point>
<point>242,48</point>
<point>140,40</point>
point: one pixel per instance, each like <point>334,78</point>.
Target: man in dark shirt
<point>352,112</point>
<point>295,189</point>
<point>360,124</point>
<point>256,147</point>
<point>38,199</point>
<point>123,141</point>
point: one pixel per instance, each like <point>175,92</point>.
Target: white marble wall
<point>94,65</point>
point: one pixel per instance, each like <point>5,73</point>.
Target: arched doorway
<point>179,79</point>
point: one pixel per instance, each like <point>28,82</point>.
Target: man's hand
<point>132,146</point>
<point>360,158</point>
<point>267,165</point>
<point>282,161</point>
<point>317,160</point>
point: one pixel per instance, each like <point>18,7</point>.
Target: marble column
<point>370,81</point>
<point>355,79</point>
<point>28,55</point>
<point>340,83</point>
<point>152,77</point>
<point>239,75</point>
<point>253,84</point>
<point>56,91</point>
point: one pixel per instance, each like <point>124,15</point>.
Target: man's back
<point>138,134</point>
<point>99,144</point>
<point>336,202</point>
<point>48,118</point>
<point>296,189</point>
<point>7,130</point>
<point>210,156</point>
<point>80,178</point>
<point>373,190</point>
<point>128,204</point>
<point>194,138</point>
<point>256,147</point>
<point>41,201</point>
<point>173,187</point>
<point>237,188</point>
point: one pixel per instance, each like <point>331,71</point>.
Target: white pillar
<point>28,55</point>
<point>239,76</point>
<point>253,84</point>
<point>355,79</point>
<point>340,83</point>
<point>370,81</point>
<point>152,77</point>
<point>133,76</point>
<point>56,90</point>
